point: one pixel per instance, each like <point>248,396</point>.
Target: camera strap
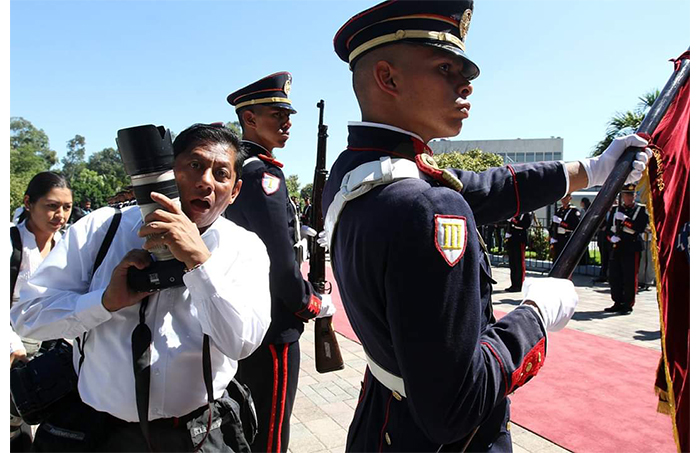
<point>141,353</point>
<point>104,248</point>
<point>15,259</point>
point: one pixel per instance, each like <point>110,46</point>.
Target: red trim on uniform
<point>271,160</point>
<point>536,358</point>
<point>637,256</point>
<point>517,191</point>
<point>420,147</point>
<point>273,411</point>
<point>522,253</point>
<point>386,422</point>
<point>313,307</point>
<point>256,92</point>
<point>283,399</point>
<point>357,16</point>
<point>498,358</point>
<point>437,245</point>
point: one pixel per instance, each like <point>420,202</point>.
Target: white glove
<point>322,239</point>
<point>327,307</point>
<point>553,241</point>
<point>556,219</point>
<point>307,232</point>
<point>620,216</point>
<point>508,235</point>
<point>555,297</point>
<point>615,239</point>
<point>598,168</point>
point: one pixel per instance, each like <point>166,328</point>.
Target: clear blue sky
<point>548,68</point>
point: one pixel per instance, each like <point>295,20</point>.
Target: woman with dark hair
<point>48,202</point>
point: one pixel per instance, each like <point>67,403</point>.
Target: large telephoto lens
<point>147,154</point>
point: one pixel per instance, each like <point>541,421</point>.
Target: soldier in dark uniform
<point>516,240</point>
<point>604,247</point>
<point>264,207</point>
<point>625,227</point>
<point>409,263</point>
<point>564,222</point>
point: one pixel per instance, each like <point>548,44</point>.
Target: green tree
<point>235,126</point>
<point>29,154</point>
<point>472,160</point>
<point>306,192</point>
<point>106,163</point>
<point>627,122</point>
<point>74,161</point>
<point>88,184</point>
<point>24,136</point>
<point>293,185</point>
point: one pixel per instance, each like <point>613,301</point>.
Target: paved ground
<point>325,402</point>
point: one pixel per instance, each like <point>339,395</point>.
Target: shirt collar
<point>384,126</point>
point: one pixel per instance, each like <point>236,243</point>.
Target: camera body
<point>147,154</point>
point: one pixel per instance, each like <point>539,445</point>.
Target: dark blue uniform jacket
<point>426,320</point>
<point>264,207</point>
<point>517,227</point>
<point>630,230</point>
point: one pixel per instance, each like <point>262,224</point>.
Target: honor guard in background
<point>264,207</point>
<point>516,240</point>
<point>625,227</point>
<point>564,222</point>
<point>410,266</point>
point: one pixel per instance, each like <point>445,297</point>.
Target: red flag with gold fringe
<point>669,208</point>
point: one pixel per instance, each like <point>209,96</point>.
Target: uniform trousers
<point>559,246</point>
<point>623,270</point>
<point>516,262</point>
<point>604,247</point>
<point>272,374</point>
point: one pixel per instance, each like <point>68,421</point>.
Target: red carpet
<point>593,394</point>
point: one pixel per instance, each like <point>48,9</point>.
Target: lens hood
<point>145,149</point>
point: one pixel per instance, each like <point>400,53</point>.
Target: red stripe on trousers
<point>271,429</point>
<point>386,422</point>
<point>283,399</point>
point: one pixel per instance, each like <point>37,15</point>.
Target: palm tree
<point>627,122</point>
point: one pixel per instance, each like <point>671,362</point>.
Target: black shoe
<point>613,309</point>
<point>513,289</point>
<point>624,311</point>
<point>600,280</point>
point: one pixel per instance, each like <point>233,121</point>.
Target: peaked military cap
<point>629,188</point>
<point>441,24</point>
<point>272,91</point>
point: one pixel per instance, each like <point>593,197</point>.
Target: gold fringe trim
<point>668,407</point>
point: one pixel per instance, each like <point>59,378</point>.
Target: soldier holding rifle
<point>264,207</point>
<point>411,268</point>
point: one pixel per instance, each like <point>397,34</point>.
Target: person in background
<point>516,241</point>
<point>586,257</point>
<point>265,208</point>
<point>48,201</point>
<point>564,222</point>
<point>625,227</point>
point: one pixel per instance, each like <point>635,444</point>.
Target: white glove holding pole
<point>327,307</point>
<point>322,239</point>
<point>620,216</point>
<point>307,232</point>
<point>555,297</point>
<point>598,168</point>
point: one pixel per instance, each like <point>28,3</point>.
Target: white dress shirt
<point>31,259</point>
<point>227,298</point>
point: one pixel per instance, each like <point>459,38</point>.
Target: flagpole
<point>578,243</point>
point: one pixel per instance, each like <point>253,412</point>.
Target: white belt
<point>388,380</point>
<point>517,227</point>
<point>561,230</point>
<point>628,230</point>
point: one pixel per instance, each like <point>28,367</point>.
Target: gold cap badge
<point>287,87</point>
<point>464,23</point>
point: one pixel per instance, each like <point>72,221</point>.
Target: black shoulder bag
<point>40,384</point>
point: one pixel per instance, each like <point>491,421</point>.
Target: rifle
<point>573,250</point>
<point>328,357</point>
